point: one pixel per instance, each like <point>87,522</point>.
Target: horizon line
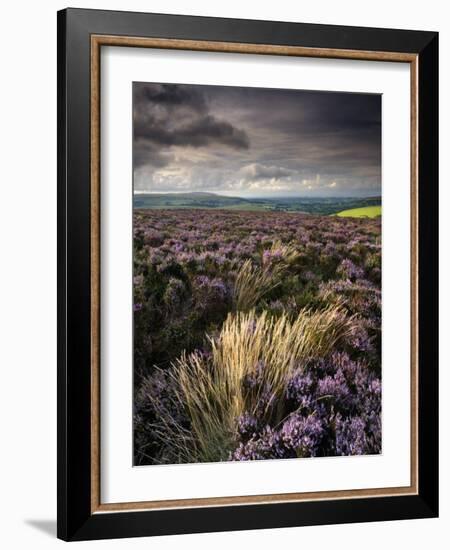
<point>138,192</point>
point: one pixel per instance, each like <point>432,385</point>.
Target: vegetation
<point>366,212</point>
<point>257,335</point>
<point>310,205</point>
<point>212,389</point>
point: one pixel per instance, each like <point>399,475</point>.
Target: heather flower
<point>153,401</point>
<point>336,388</point>
<point>247,426</point>
<point>153,238</point>
<point>303,435</point>
<point>351,436</point>
<point>257,448</point>
<point>360,339</point>
<point>155,257</point>
<point>300,389</point>
<point>349,270</point>
<point>216,285</point>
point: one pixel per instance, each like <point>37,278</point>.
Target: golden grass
<point>253,282</point>
<point>213,392</point>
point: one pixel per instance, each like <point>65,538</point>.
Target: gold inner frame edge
<point>97,41</point>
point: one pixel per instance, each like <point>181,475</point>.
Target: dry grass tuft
<point>212,391</point>
<point>254,282</point>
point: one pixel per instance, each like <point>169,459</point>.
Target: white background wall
<point>28,272</point>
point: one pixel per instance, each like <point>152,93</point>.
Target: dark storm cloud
<point>256,141</point>
<point>173,115</point>
<point>170,95</point>
<point>196,133</point>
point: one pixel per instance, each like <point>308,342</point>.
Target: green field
<point>365,212</point>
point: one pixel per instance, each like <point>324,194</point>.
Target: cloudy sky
<point>255,142</point>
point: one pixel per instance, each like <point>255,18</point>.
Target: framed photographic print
<point>247,252</point>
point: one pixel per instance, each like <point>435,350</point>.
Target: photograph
<point>247,287</point>
<point>257,273</point>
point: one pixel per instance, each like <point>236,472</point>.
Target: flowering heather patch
<point>199,275</point>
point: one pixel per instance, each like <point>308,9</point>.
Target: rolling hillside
<point>311,205</point>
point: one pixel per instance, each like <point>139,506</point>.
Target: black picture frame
<point>75,518</point>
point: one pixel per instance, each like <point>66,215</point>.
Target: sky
<point>255,142</point>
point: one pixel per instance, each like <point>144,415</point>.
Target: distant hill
<point>311,205</point>
<point>188,200</point>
